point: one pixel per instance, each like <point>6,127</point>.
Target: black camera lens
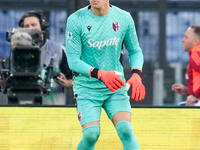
<point>26,59</point>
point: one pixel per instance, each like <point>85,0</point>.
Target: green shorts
<point>89,105</point>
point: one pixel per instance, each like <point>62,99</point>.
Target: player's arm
<point>74,47</point>
<point>136,61</point>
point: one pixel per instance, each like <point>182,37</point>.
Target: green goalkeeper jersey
<point>96,41</point>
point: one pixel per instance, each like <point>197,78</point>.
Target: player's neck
<point>101,11</point>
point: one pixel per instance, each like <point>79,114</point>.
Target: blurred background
<point>160,26</point>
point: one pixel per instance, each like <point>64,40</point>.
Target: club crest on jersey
<point>79,116</point>
<point>115,26</point>
<point>69,36</point>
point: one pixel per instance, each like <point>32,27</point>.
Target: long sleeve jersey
<point>96,41</point>
<point>193,72</point>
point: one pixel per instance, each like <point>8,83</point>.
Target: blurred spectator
<point>191,43</point>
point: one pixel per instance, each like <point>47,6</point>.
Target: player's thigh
<point>88,109</point>
<point>117,103</point>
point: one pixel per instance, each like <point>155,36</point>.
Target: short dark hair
<point>196,29</point>
<point>43,23</point>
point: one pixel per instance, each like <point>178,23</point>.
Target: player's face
<point>188,39</point>
<point>32,23</point>
<point>98,4</point>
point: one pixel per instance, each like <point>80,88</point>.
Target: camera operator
<point>49,50</point>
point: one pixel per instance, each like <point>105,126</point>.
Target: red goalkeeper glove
<point>111,79</point>
<point>138,89</point>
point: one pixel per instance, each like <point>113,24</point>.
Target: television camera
<point>21,79</point>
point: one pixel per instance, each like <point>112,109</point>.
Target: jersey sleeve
<point>132,45</point>
<point>195,63</point>
<point>74,47</point>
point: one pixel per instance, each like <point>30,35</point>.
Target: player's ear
<point>197,41</point>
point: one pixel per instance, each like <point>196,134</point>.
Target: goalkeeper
<point>94,37</point>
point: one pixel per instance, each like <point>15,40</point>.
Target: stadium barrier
<point>58,128</point>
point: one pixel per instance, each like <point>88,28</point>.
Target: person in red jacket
<point>191,43</point>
